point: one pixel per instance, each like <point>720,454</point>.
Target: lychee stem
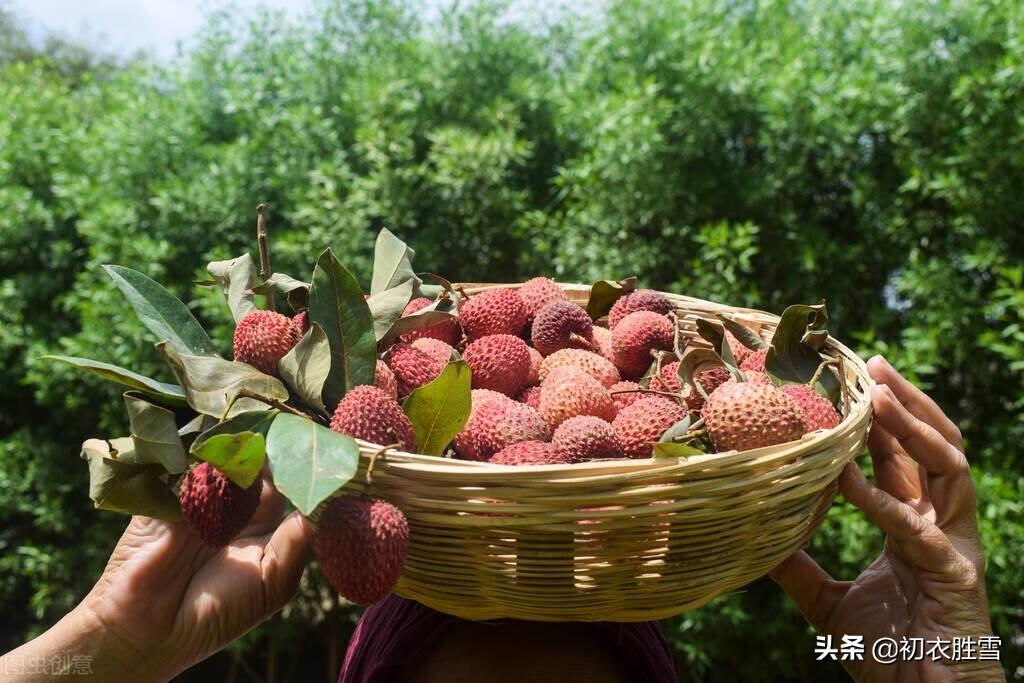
<point>261,240</point>
<point>273,402</point>
<point>645,391</point>
<point>821,370</point>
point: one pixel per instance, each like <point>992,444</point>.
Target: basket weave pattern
<point>622,540</point>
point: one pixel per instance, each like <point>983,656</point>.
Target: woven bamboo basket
<point>617,540</point>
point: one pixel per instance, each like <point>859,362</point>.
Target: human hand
<point>167,601</point>
<point>929,581</point>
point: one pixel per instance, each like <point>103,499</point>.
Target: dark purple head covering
<point>396,631</point>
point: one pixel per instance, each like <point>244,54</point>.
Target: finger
<point>268,514</point>
<point>284,559</point>
<point>917,541</point>
<point>896,473</point>
<point>949,483</point>
<point>815,593</point>
<point>916,401</point>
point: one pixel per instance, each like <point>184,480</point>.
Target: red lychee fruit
<point>744,415</point>
<point>493,311</point>
<point>598,367</point>
<point>262,338</point>
<point>529,453</point>
<point>636,336</point>
<point>499,362</point>
<point>369,414</point>
<point>562,325</point>
<point>418,363</point>
<point>818,412</point>
<point>361,544</point>
<point>496,423</point>
<point>586,438</point>
<point>215,507</point>
<point>709,380</point>
<point>642,423</point>
<point>537,293</point>
<point>640,300</point>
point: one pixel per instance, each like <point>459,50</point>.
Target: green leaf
<point>162,313</point>
<point>119,484</point>
<point>604,293</point>
<point>239,456</point>
<point>308,461</point>
<point>714,333</point>
<point>336,304</point>
<point>745,335</point>
<point>212,383</point>
<point>236,277</point>
<point>676,431</point>
<point>439,311</point>
<point>694,361</point>
<point>675,450</point>
<point>295,291</point>
<point>439,410</point>
<point>387,306</point>
<point>305,368</point>
<point>793,356</point>
<point>256,421</point>
<point>392,263</point>
<point>155,434</point>
<point>168,393</point>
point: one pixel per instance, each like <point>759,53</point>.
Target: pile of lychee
<point>550,386</point>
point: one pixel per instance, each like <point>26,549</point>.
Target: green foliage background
<point>758,153</point>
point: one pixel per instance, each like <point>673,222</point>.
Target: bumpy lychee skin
<point>537,293</point>
<point>562,325</point>
<point>745,415</point>
<point>449,331</point>
<point>499,362</point>
<point>370,414</point>
<point>529,453</point>
<point>493,311</point>
<point>603,341</point>
<point>301,322</point>
<point>640,300</point>
<point>755,361</point>
<point>385,380</point>
<point>636,336</point>
<point>530,396</point>
<point>262,338</point>
<point>536,360</point>
<point>215,507</point>
<point>709,380</point>
<point>596,366</point>
<point>667,378</point>
<point>417,363</point>
<point>496,423</point>
<point>739,351</point>
<point>586,438</point>
<point>630,395</point>
<point>478,397</point>
<point>361,544</point>
<point>568,392</point>
<point>817,411</point>
<point>642,423</point>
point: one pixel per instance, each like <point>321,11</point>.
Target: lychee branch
<point>261,240</point>
<point>270,401</point>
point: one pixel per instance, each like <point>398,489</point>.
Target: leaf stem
<point>270,401</point>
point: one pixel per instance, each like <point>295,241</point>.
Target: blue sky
<point>125,26</point>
